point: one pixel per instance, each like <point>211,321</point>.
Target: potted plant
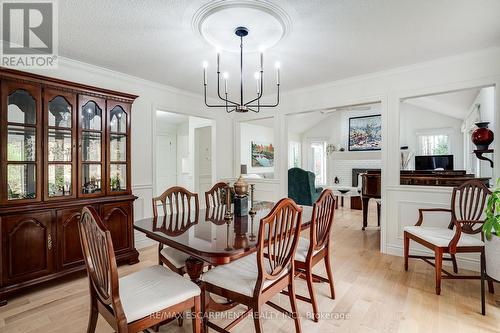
<point>491,229</point>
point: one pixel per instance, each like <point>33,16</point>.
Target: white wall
<point>335,130</point>
<point>254,133</point>
<point>486,100</point>
<point>415,120</point>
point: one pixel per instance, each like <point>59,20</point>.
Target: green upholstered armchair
<point>301,186</point>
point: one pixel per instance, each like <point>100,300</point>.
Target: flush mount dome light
<point>267,22</point>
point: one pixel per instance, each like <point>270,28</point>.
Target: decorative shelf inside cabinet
<point>479,155</point>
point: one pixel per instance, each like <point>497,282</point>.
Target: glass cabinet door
<point>20,138</point>
<point>92,133</point>
<point>118,147</point>
<point>60,144</point>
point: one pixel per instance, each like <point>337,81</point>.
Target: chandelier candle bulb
<point>218,62</point>
<point>205,65</point>
<point>226,76</point>
<point>261,61</point>
<point>257,80</point>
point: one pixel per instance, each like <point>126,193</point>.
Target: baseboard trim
<point>463,263</point>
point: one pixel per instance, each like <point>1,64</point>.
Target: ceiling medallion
<point>268,22</point>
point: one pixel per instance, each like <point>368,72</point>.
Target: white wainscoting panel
<point>142,209</point>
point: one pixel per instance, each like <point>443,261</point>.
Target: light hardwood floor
<point>373,293</point>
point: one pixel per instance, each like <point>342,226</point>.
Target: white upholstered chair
<point>468,202</point>
<point>139,300</point>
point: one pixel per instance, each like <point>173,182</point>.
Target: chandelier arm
<point>250,109</point>
<point>227,104</point>
<point>259,95</point>
<point>218,91</point>
<point>269,105</point>
<point>210,105</point>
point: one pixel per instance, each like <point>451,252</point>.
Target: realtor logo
<point>29,34</point>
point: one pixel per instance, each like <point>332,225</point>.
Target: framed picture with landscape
<point>262,154</point>
<point>365,133</point>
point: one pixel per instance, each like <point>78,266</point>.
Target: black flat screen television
<point>433,162</point>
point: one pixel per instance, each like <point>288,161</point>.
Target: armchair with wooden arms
<point>467,206</point>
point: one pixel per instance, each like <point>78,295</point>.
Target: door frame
<point>213,124</point>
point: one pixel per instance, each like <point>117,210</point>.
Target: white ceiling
<point>300,123</point>
<point>265,122</point>
<point>453,104</point>
<point>329,40</point>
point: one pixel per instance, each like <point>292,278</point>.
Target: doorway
<point>183,152</point>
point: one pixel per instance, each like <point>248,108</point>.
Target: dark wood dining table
<point>207,237</point>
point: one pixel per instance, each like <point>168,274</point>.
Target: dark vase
<point>482,136</point>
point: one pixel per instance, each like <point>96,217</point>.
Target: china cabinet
<point>63,146</point>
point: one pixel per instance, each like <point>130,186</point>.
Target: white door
<point>203,159</point>
<point>166,161</point>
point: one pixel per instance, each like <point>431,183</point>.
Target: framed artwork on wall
<point>262,154</point>
<point>365,133</point>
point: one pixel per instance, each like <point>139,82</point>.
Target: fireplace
<point>356,201</point>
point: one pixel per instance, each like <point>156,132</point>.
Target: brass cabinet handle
<point>49,242</point>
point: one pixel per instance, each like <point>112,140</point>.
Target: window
<point>294,155</point>
<point>318,161</point>
<point>434,144</point>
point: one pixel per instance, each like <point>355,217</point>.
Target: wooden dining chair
<point>214,196</point>
<point>180,210</point>
<point>311,251</point>
<point>137,301</point>
<point>215,205</point>
<point>254,279</point>
<point>467,206</point>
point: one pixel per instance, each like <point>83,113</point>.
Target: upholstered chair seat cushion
<point>177,258</point>
<point>303,249</point>
<point>441,237</point>
<point>152,289</point>
<point>239,276</point>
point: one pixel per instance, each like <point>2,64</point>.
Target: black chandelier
<point>253,105</point>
